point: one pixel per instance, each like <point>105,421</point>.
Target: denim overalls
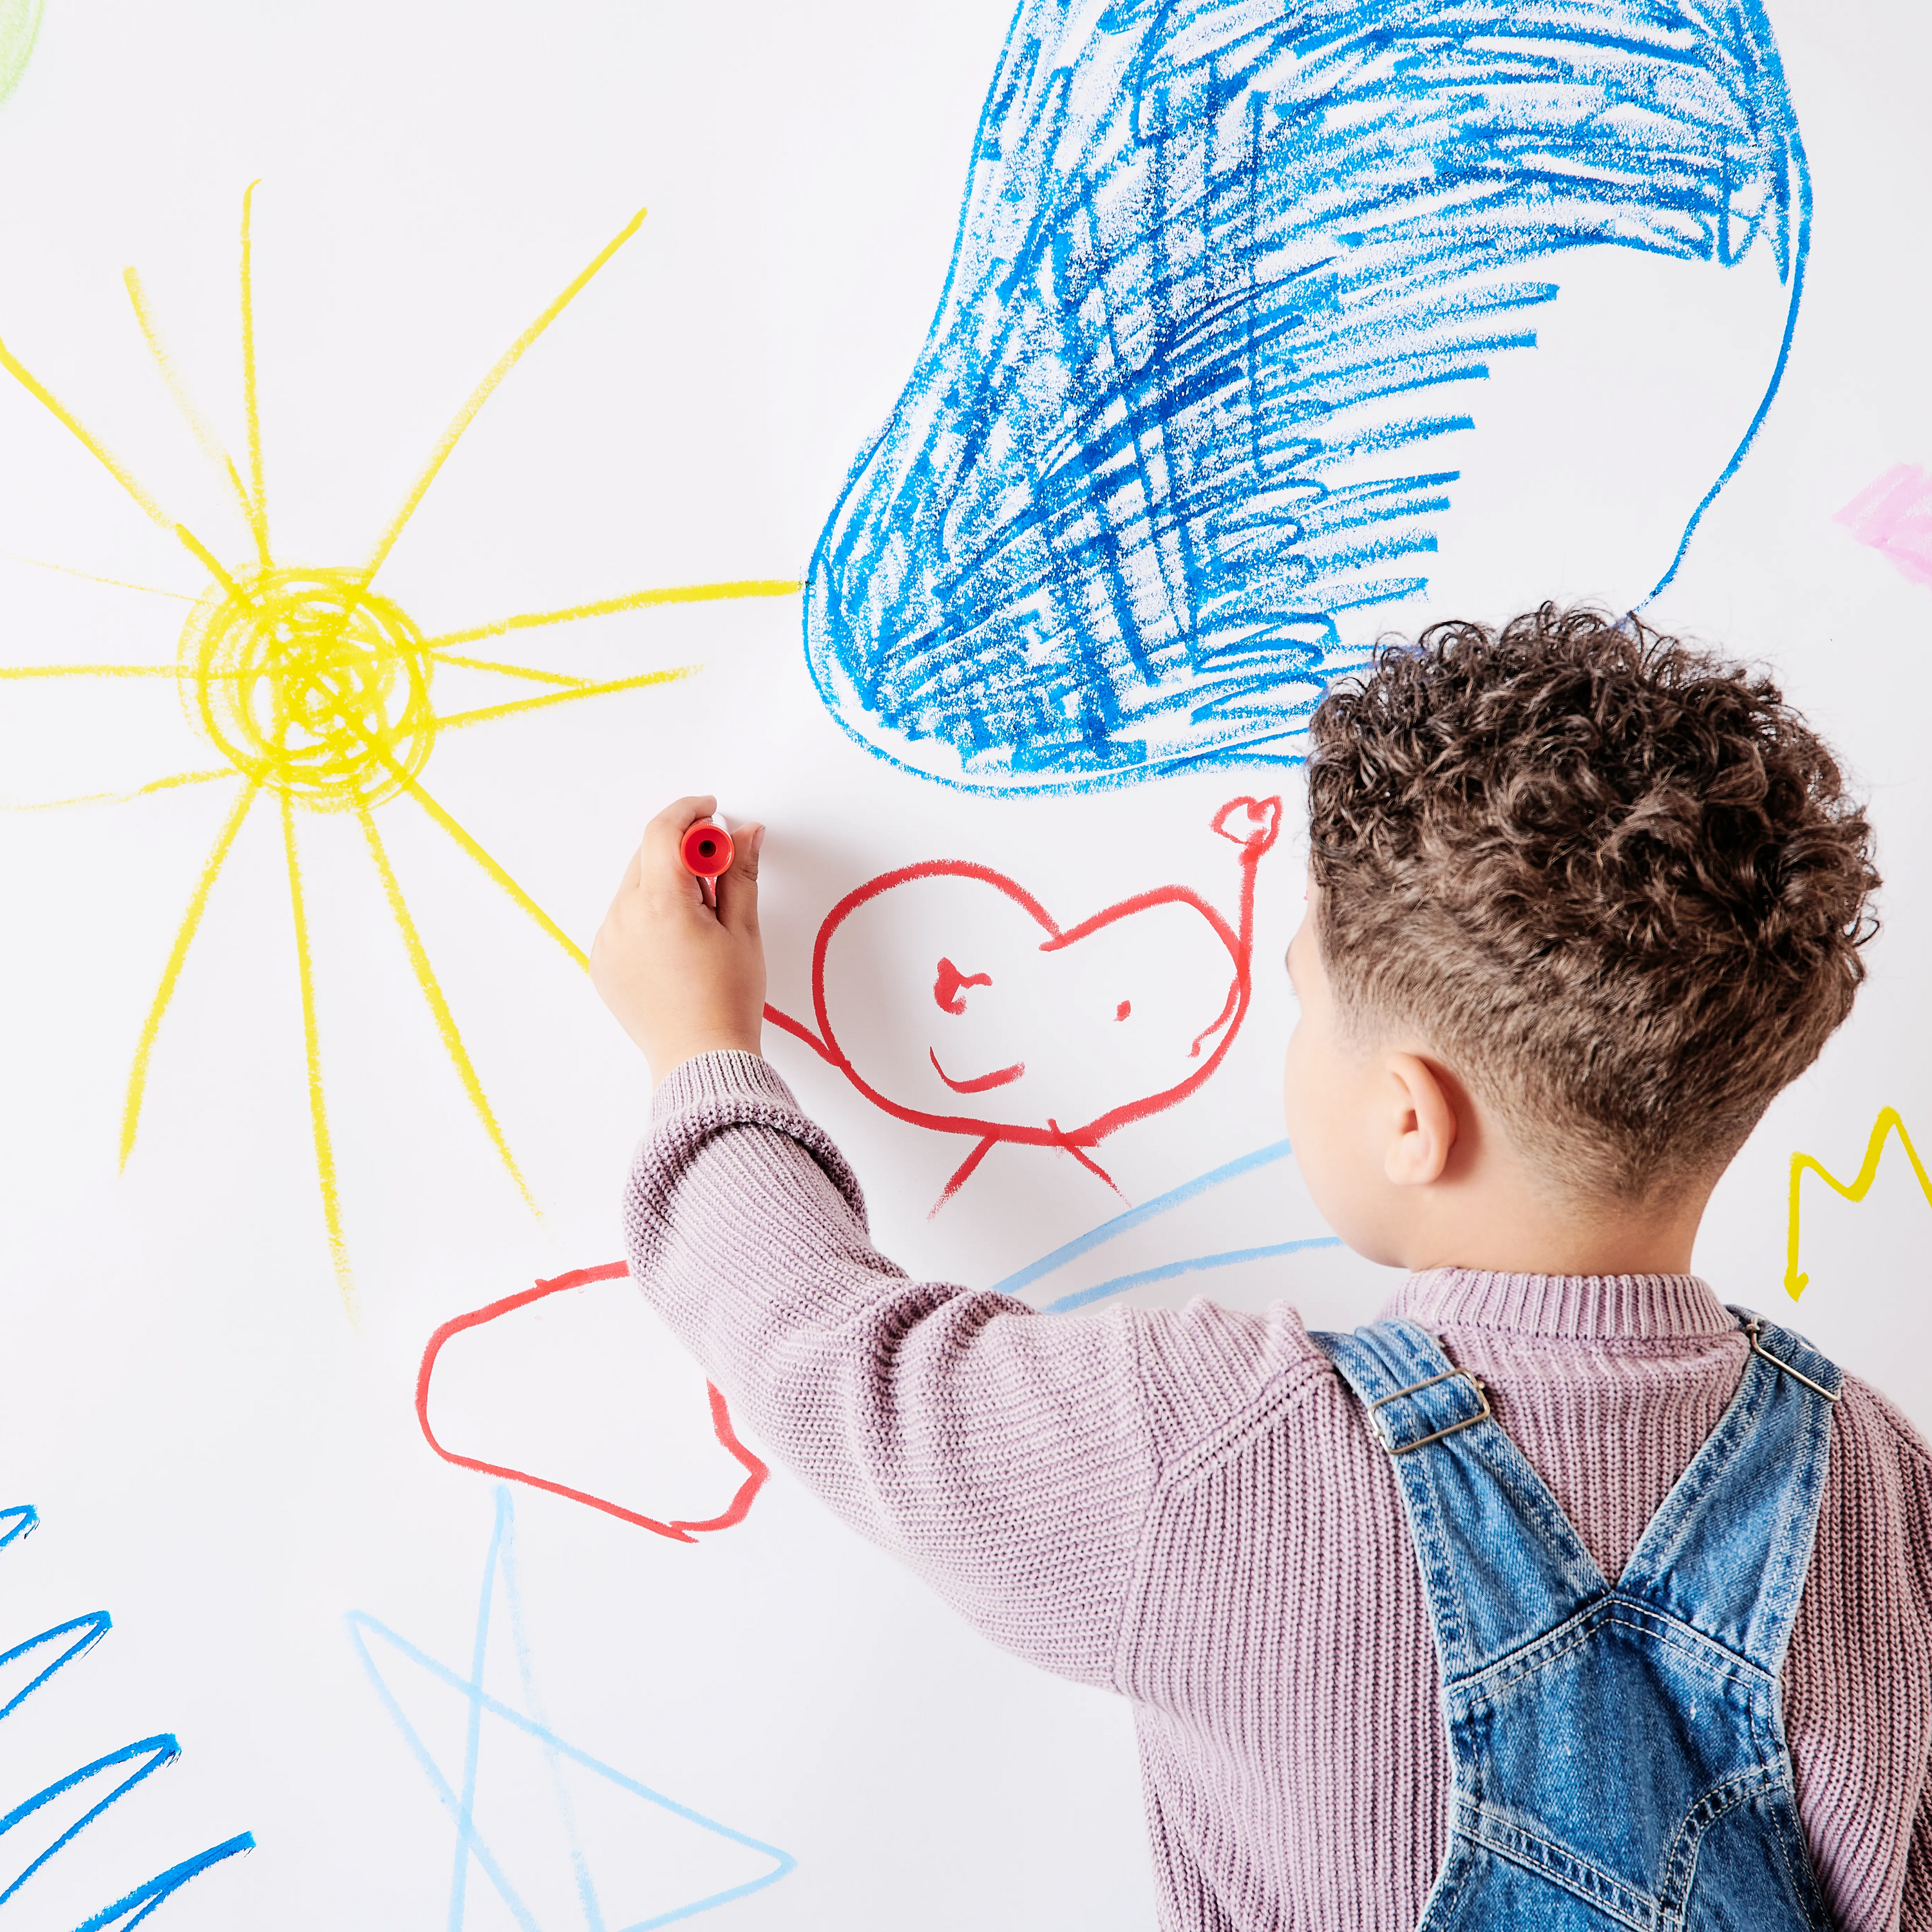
<point>1619,1752</point>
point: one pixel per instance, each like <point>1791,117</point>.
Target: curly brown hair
<point>1617,884</point>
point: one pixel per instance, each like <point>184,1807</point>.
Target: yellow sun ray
<point>318,1112</point>
<point>635,600</point>
<point>496,872</point>
<point>529,671</point>
<point>137,1076</point>
<point>210,562</point>
<point>199,426</point>
<point>124,797</point>
<point>481,393</point>
<point>88,576</point>
<point>88,670</point>
<point>455,720</point>
<point>99,451</point>
<point>257,494</point>
<point>1855,1189</point>
<point>445,1020</point>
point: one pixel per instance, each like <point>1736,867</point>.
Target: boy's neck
<point>1504,1222</point>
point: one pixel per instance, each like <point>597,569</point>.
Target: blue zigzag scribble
<point>500,1570</point>
<point>148,1755</point>
<point>1174,418</point>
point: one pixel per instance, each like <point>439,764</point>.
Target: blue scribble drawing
<point>459,1790</point>
<point>44,1656</point>
<point>1149,1211</point>
<point>1181,409</point>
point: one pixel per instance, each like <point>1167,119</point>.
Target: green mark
<point>19,25</point>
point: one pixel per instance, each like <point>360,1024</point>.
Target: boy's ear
<point>1422,1122</point>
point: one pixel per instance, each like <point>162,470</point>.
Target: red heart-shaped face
<point>955,1000</point>
<point>577,1388</point>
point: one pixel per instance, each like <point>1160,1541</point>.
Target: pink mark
<point>1894,516</point>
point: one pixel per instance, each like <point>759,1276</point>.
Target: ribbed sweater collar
<point>1579,1307</point>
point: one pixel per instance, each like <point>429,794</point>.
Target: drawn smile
<point>1003,1076</point>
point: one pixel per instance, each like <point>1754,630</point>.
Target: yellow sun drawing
<point>316,691</point>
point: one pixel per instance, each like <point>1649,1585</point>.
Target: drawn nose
<point>946,989</point>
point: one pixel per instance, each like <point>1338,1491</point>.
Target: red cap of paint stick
<point>707,849</point>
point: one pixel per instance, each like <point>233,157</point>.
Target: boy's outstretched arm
<point>1005,1455</point>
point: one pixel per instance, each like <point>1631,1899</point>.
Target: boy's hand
<point>682,977</point>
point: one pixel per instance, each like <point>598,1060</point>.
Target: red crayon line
<point>1002,1076</point>
<point>678,1531</point>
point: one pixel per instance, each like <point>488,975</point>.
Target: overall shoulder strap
<point>1500,1560</point>
<point>1728,1551</point>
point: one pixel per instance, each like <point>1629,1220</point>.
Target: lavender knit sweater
<point>1186,1507</point>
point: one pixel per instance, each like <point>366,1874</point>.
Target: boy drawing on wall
<point>1581,902</point>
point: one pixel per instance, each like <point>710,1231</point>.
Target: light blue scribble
<point>500,1570</point>
<point>1171,1270</point>
<point>1183,405</point>
<point>21,1519</point>
<point>1148,1211</point>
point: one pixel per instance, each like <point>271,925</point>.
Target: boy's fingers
<point>738,886</point>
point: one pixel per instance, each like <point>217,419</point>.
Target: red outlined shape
<point>756,1471</point>
<point>1252,824</point>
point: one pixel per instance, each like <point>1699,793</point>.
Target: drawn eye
<point>1124,1009</point>
<point>947,988</point>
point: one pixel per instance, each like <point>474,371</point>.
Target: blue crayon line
<point>1121,1283</point>
<point>1175,1197</point>
<point>465,1813</point>
<point>1801,255</point>
<point>579,1866</point>
<point>93,1628</point>
<point>158,1751</point>
<point>22,1519</point>
<point>158,1890</point>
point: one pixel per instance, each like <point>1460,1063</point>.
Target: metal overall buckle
<point>1754,1328</point>
<point>1469,1422</point>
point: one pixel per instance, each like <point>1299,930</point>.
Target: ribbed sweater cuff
<point>709,1096</point>
<point>709,1079</point>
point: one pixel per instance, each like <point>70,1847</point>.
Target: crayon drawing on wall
<point>1010,419</point>
<point>315,691</point>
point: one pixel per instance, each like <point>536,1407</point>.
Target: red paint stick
<point>707,850</point>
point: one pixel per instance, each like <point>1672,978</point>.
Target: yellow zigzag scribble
<point>1855,1189</point>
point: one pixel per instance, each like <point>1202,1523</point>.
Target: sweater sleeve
<point>1914,1910</point>
<point>1003,1454</point>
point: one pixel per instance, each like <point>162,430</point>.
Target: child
<point>1580,902</point>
